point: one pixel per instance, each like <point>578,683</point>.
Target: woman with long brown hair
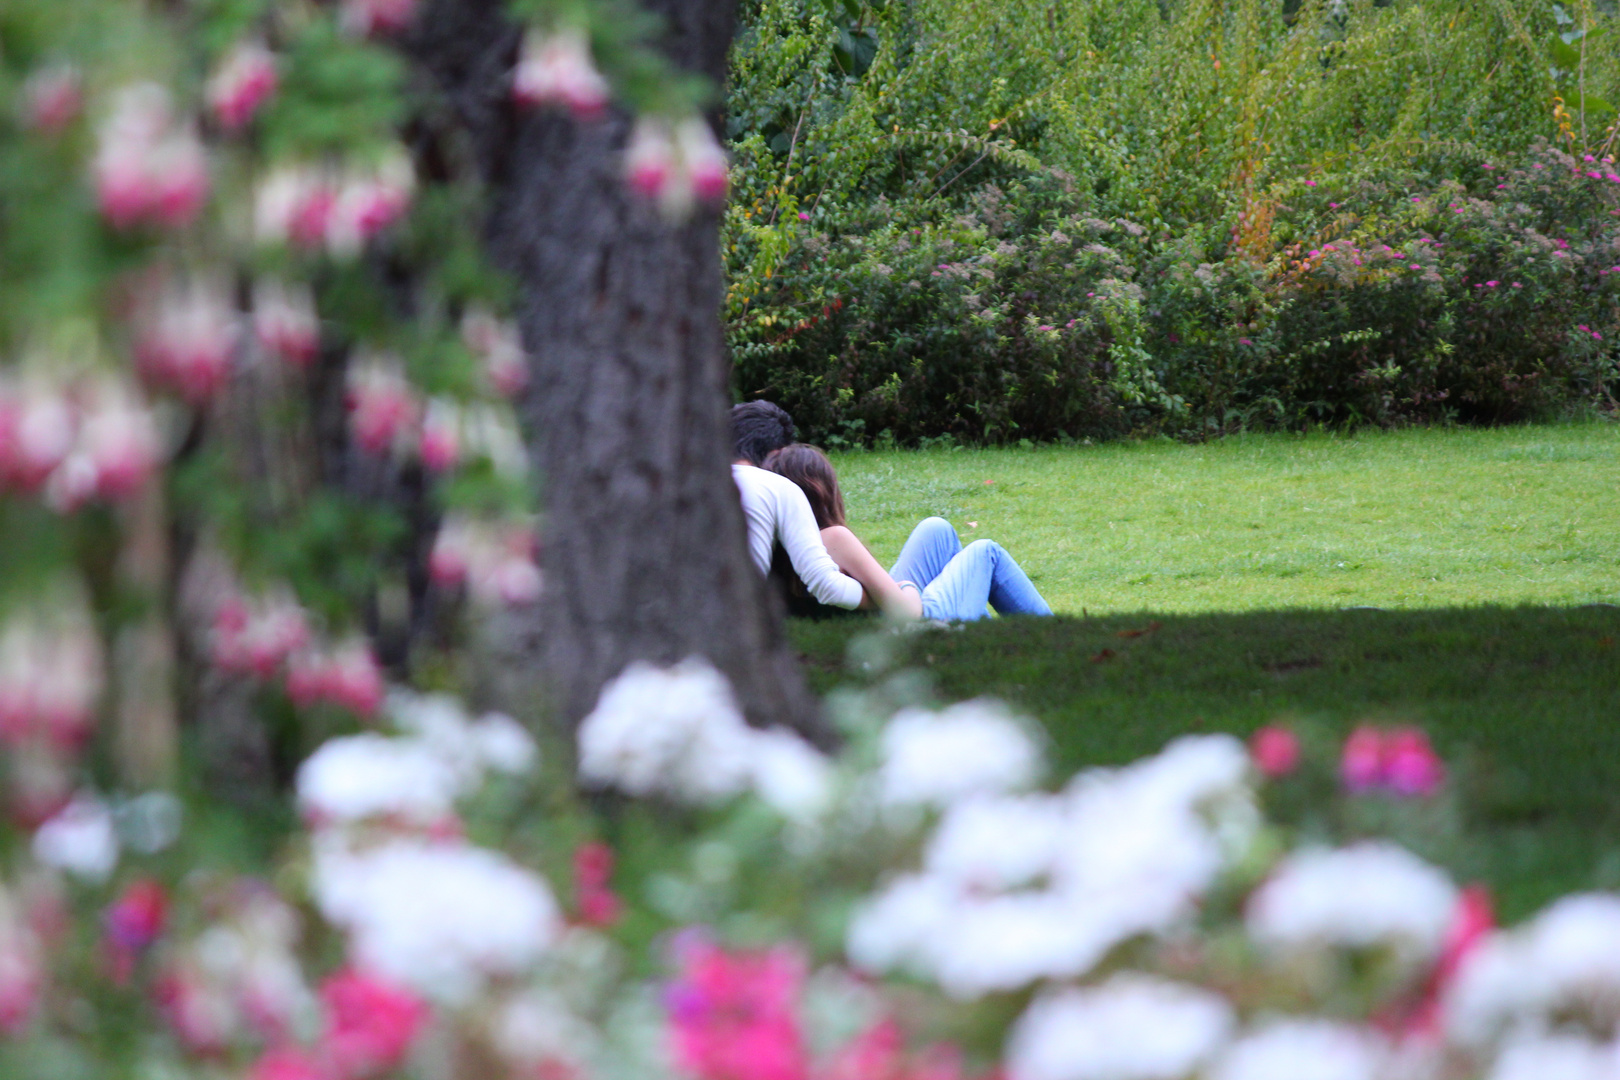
<point>935,576</point>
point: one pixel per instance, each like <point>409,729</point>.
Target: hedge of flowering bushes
<point>1476,290</point>
<point>929,903</point>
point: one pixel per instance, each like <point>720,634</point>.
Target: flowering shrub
<point>1025,315</point>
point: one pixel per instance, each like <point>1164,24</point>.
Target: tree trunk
<point>643,546</point>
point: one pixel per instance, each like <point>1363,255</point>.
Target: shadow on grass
<point>1523,701</point>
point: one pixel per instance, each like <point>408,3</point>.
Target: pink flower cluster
<point>383,405</point>
<point>370,1027</point>
<point>149,169</point>
<point>185,339</point>
<point>132,924</point>
<point>52,99</point>
<point>338,212</point>
<point>557,69</point>
<point>1274,750</point>
<point>1399,760</point>
<point>244,81</point>
<point>51,675</point>
<point>733,1014</point>
<point>346,674</point>
<point>93,439</point>
<point>495,561</point>
<point>285,322</point>
<point>496,343</point>
<point>369,17</point>
<point>598,904</point>
<point>675,165</point>
<point>256,635</point>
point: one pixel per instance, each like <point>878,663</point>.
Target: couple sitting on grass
<point>797,535</point>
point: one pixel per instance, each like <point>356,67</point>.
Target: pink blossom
<point>452,553</point>
<point>38,427</point>
<point>51,674</point>
<point>705,162</point>
<point>1275,750</point>
<point>1501,187</point>
<point>1333,206</point>
<point>440,445</point>
<point>52,99</point>
<point>255,636</point>
<point>133,922</point>
<point>382,404</point>
<point>244,81</point>
<point>804,215</point>
<point>147,169</point>
<point>1310,183</point>
<point>1471,921</point>
<point>1589,157</point>
<point>1244,341</point>
<point>1490,284</point>
<point>558,70</point>
<point>370,1024</point>
<point>1516,285</point>
<point>116,451</point>
<point>593,871</point>
<point>1361,765</point>
<point>1410,765</point>
<point>367,203</point>
<point>733,1014</point>
<point>293,204</point>
<point>347,676</point>
<point>186,339</point>
<point>369,17</point>
<point>1415,266</point>
<point>650,158</point>
<point>498,344</point>
<point>285,322</point>
<point>288,1063</point>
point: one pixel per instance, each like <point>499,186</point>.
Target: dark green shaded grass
<point>1523,702</point>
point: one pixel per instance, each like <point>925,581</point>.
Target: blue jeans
<point>958,581</point>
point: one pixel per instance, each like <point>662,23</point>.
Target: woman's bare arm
<point>853,559</point>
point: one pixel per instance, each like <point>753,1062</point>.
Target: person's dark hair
<point>808,467</point>
<point>757,428</point>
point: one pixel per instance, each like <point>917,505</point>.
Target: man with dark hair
<point>776,508</point>
<point>757,428</point>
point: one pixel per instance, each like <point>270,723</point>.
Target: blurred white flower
<point>1564,963</point>
<point>1370,894</point>
<point>441,919</point>
<point>537,1029</point>
<point>1133,1027</point>
<point>503,744</point>
<point>675,732</point>
<point>897,927</point>
<point>998,842</point>
<point>369,775</point>
<point>790,775</point>
<point>971,748</point>
<point>1557,1057</point>
<point>1304,1050</point>
<point>79,839</point>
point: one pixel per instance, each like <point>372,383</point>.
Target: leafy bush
<point>890,254</point>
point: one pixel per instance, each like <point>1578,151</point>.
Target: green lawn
<point>1524,704</point>
<point>1409,519</point>
<point>1494,554</point>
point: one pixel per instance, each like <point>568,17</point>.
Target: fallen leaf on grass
<point>973,524</point>
<point>1143,632</point>
<point>1106,654</point>
<point>1605,642</point>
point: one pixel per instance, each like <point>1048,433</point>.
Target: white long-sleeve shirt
<point>777,510</point>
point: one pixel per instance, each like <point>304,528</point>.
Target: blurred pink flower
<point>650,158</point>
<point>53,98</point>
<point>256,636</point>
<point>370,1024</point>
<point>703,159</point>
<point>148,169</point>
<point>500,347</point>
<point>285,322</point>
<point>382,404</point>
<point>733,1015</point>
<point>1361,766</point>
<point>22,973</point>
<point>440,445</point>
<point>186,340</point>
<point>347,675</point>
<point>1310,183</point>
<point>133,922</point>
<point>377,16</point>
<point>558,70</point>
<point>1491,284</point>
<point>244,81</point>
<point>1275,750</point>
<point>38,427</point>
<point>288,1063</point>
<point>1411,767</point>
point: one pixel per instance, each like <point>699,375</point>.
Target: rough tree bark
<point>644,553</point>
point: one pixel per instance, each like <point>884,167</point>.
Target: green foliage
<point>1207,148</point>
